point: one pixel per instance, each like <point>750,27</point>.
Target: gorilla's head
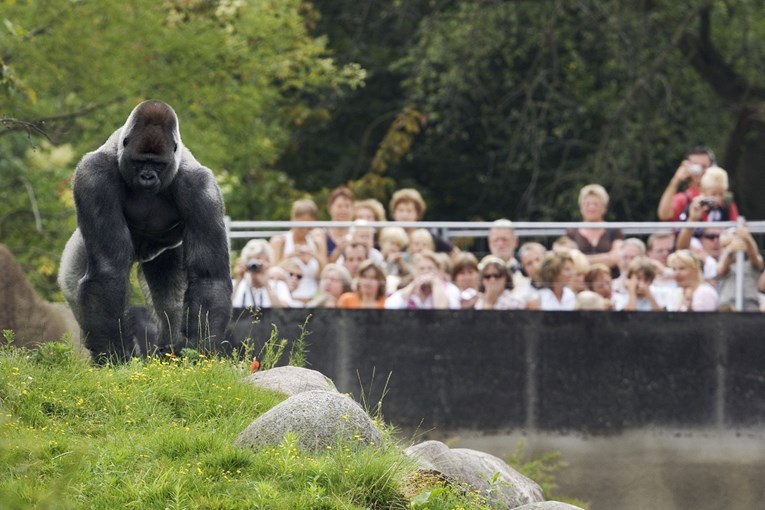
<point>149,147</point>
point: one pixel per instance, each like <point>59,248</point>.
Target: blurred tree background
<point>490,108</point>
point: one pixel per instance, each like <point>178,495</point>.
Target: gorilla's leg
<point>107,338</point>
<point>207,312</point>
<point>73,265</point>
<point>165,280</point>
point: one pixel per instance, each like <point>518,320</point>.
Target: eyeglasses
<point>492,276</point>
<point>296,275</point>
<point>711,237</point>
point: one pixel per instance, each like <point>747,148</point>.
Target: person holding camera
<point>255,289</point>
<point>675,200</point>
<point>428,290</point>
<point>712,204</point>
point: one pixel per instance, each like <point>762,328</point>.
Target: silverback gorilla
<point>142,197</point>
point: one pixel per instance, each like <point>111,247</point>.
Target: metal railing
<point>476,229</point>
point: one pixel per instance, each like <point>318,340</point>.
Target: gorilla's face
<point>149,147</point>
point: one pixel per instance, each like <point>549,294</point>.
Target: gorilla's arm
<point>102,295</point>
<point>207,302</point>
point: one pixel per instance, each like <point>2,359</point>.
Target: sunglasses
<point>710,236</point>
<point>492,276</point>
<point>296,275</point>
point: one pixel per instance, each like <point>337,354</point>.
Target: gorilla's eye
<point>125,142</point>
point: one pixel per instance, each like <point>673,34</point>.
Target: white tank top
<point>309,284</point>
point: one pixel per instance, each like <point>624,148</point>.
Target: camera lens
<point>255,266</point>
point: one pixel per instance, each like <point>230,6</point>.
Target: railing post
<point>740,273</point>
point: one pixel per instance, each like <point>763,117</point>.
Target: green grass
<point>159,433</point>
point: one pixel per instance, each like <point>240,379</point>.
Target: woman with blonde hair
<point>581,267</point>
<point>335,281</point>
<point>428,289</point>
<point>308,246</point>
<point>697,295</point>
<point>600,244</point>
<point>369,209</point>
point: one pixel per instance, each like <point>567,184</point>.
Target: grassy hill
<point>159,433</point>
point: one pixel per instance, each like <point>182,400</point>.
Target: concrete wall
<point>588,372</point>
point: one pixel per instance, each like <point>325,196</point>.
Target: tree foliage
<point>531,100</point>
<point>241,76</point>
<point>525,102</point>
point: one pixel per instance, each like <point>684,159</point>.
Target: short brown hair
<point>408,195</point>
<point>595,271</point>
<point>659,235</point>
<point>552,265</point>
<point>463,261</point>
<point>380,275</point>
<point>642,266</point>
<point>340,191</point>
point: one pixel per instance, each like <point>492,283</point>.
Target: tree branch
<point>36,126</point>
<point>712,67</point>
<point>12,125</point>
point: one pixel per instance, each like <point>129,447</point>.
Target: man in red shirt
<point>674,202</point>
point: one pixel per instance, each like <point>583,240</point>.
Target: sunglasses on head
<point>710,236</point>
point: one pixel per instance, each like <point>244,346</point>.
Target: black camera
<point>255,266</point>
<point>709,203</point>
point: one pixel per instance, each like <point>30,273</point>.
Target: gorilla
<point>143,197</point>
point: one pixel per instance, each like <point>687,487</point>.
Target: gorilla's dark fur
<point>142,197</point>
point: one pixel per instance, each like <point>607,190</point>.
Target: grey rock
<point>548,505</point>
<point>319,419</point>
<point>291,380</point>
<point>477,470</point>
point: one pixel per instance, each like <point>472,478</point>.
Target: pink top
<point>705,299</point>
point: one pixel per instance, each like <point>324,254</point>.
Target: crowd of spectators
<point>593,268</point>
